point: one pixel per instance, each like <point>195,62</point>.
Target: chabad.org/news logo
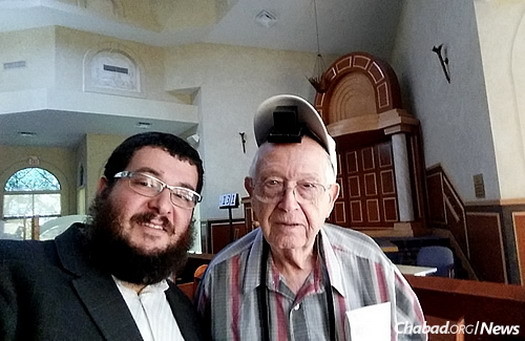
<point>478,328</point>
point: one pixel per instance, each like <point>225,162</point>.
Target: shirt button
<point>297,307</point>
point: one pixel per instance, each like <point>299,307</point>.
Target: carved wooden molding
<point>391,122</point>
<point>362,94</point>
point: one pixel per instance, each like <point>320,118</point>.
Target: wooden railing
<point>472,303</point>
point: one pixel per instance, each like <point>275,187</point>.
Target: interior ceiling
<point>73,126</point>
<point>344,26</point>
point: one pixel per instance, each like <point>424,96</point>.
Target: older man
<point>296,277</point>
<point>109,279</point>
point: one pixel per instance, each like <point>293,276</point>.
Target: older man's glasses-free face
<point>150,186</point>
<point>273,190</point>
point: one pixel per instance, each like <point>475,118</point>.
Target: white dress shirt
<point>151,311</point>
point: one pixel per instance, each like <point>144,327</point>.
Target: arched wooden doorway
<point>378,145</point>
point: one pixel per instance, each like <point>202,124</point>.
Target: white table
<point>415,270</point>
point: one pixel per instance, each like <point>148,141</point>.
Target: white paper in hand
<point>372,322</point>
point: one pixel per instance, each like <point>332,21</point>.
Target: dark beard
<point>113,254</point>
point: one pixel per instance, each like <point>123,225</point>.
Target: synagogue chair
<point>440,257</point>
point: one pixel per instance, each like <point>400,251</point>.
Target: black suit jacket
<point>48,291</point>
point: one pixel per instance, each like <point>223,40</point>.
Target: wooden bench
<point>469,303</point>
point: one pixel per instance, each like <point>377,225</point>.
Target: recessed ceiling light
<point>27,133</point>
<point>143,125</point>
<point>266,18</point>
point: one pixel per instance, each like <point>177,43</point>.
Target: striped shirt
<point>151,311</point>
<point>358,271</point>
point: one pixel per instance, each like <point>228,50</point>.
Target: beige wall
<point>72,46</point>
<point>231,83</point>
<point>54,76</point>
<point>228,83</point>
<point>217,86</point>
<point>36,48</point>
<point>98,149</point>
<point>59,161</point>
<point>502,37</point>
<point>455,118</point>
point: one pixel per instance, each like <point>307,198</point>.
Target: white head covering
<point>307,116</point>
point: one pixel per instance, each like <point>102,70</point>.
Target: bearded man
<point>109,279</point>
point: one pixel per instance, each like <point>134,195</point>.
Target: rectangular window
<point>21,228</point>
<point>28,205</point>
<point>19,210</point>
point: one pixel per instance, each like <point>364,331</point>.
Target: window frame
<point>28,219</point>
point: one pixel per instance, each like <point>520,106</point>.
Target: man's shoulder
<point>20,249</point>
<point>346,234</point>
<point>36,251</point>
<point>348,241</point>
<point>236,249</point>
<point>175,293</point>
<point>25,260</point>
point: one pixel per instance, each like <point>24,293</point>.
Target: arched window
<point>31,197</point>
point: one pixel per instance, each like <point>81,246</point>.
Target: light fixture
<point>266,18</point>
<point>193,139</point>
<point>143,125</point>
<point>27,133</point>
<point>317,80</point>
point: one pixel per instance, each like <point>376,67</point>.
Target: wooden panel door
<point>368,197</point>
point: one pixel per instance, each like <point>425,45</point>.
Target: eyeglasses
<point>150,186</point>
<point>273,190</point>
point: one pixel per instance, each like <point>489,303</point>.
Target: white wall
<point>217,86</point>
<point>233,81</point>
<point>73,45</point>
<point>36,48</point>
<point>502,38</point>
<point>455,117</point>
<point>54,76</point>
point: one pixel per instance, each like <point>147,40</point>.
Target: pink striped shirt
<point>358,271</point>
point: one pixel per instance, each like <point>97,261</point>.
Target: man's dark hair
<point>175,146</point>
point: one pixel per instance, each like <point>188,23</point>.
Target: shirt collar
<point>252,275</point>
<point>333,265</point>
<point>157,287</point>
<point>151,288</point>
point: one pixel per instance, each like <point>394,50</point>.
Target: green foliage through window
<point>32,179</point>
